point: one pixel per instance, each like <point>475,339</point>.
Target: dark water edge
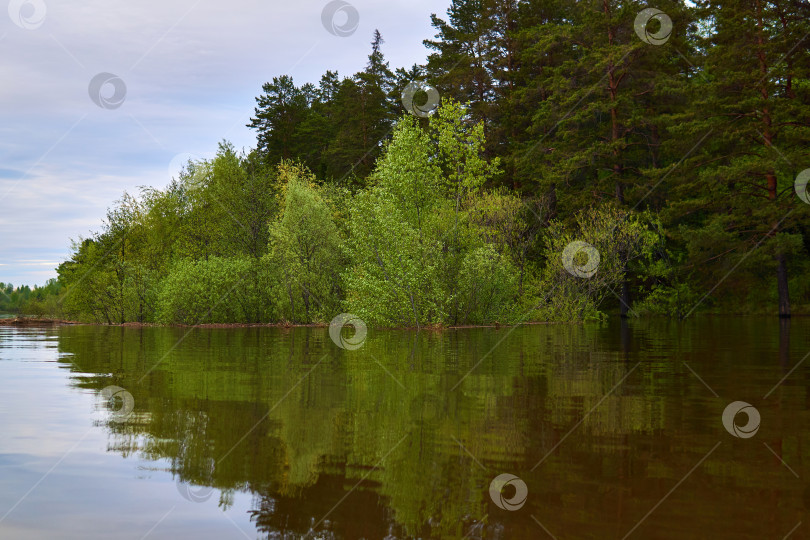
<point>614,429</point>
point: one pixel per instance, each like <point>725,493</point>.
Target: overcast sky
<point>191,70</point>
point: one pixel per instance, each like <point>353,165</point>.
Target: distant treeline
<point>673,155</point>
<point>36,301</point>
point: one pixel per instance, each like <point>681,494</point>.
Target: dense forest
<point>553,160</point>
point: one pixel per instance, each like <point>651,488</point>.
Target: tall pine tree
<point>734,202</point>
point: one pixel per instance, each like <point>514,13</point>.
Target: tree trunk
<point>782,285</point>
<point>770,176</point>
<point>625,299</point>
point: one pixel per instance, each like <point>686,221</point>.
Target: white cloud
<point>192,69</point>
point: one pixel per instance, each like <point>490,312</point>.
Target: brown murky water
<point>607,431</point>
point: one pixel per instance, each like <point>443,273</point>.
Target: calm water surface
<point>615,431</point>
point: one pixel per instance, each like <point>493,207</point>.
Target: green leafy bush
<point>217,290</point>
<point>305,248</point>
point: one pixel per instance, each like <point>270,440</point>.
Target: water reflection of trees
<point>315,431</point>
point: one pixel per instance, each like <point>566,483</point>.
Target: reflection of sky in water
<point>92,493</point>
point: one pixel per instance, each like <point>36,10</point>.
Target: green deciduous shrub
<point>217,290</point>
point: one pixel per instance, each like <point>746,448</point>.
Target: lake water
<point>607,431</point>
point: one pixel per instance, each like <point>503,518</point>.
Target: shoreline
<point>24,322</point>
<point>31,321</point>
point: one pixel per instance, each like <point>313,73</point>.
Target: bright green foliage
<point>417,257</point>
<point>392,244</point>
<point>461,144</point>
<point>109,277</point>
<point>620,238</point>
<point>225,205</point>
<point>306,250</point>
<point>488,287</point>
<point>217,208</point>
<point>217,290</point>
<point>512,226</point>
